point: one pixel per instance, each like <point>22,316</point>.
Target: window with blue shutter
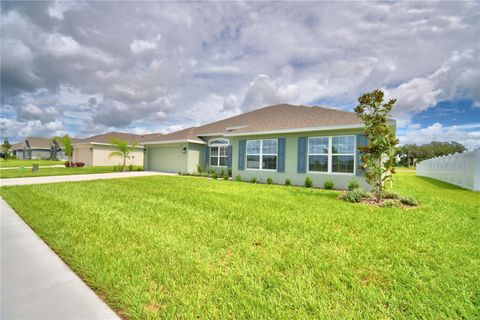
<point>207,156</point>
<point>281,155</point>
<point>241,154</point>
<point>302,155</point>
<point>361,142</point>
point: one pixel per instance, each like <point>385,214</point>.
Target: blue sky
<point>84,68</point>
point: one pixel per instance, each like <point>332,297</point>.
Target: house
<point>96,150</point>
<point>280,141</point>
<point>33,148</point>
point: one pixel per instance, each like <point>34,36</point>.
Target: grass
<point>179,247</point>
<point>27,173</point>
<point>27,163</point>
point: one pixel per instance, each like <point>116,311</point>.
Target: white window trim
<point>330,156</point>
<point>261,156</point>
<point>218,142</point>
<point>218,156</point>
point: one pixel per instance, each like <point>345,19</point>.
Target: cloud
<point>178,64</point>
<point>139,46</point>
<point>466,134</point>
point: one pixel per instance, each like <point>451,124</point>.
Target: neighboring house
<point>96,150</point>
<point>281,141</point>
<point>33,148</point>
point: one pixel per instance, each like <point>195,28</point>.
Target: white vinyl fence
<point>461,169</point>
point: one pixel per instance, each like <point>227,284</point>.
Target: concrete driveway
<point>79,177</point>
<point>36,283</point>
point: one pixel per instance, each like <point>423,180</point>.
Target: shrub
<point>389,203</point>
<point>308,182</point>
<point>410,201</point>
<point>222,173</point>
<point>229,170</point>
<point>79,164</point>
<point>238,178</point>
<point>199,168</point>
<point>214,176</point>
<point>389,195</point>
<point>253,180</point>
<point>328,184</point>
<point>269,181</point>
<point>139,169</point>
<point>130,167</point>
<point>68,164</point>
<point>354,195</point>
<point>288,182</point>
<point>225,177</point>
<point>353,184</point>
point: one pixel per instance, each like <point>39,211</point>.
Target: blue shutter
<point>207,156</point>
<point>241,154</point>
<point>281,155</point>
<point>302,155</point>
<point>229,154</point>
<point>361,142</point>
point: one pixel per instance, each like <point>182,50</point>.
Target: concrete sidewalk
<point>36,283</point>
<point>30,167</point>
<point>78,177</point>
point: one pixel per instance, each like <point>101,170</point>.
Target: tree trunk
<point>124,163</point>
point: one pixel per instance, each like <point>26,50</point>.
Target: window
<point>262,154</point>
<point>343,154</point>
<point>218,156</point>
<point>318,154</point>
<point>331,154</point>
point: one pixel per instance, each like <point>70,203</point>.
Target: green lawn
<point>12,173</point>
<point>27,163</point>
<point>182,247</point>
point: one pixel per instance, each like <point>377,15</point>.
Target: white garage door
<point>167,159</point>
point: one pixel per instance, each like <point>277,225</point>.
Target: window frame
<point>218,156</point>
<point>330,156</point>
<point>260,154</point>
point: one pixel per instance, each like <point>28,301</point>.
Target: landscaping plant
<point>378,155</point>
<point>269,180</point>
<point>353,184</point>
<point>6,149</point>
<point>288,182</point>
<point>123,150</point>
<point>328,184</point>
<point>253,180</point>
<point>238,178</point>
<point>308,182</point>
<point>68,149</point>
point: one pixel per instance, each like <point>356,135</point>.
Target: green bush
<point>354,195</point>
<point>225,177</point>
<point>390,203</point>
<point>328,184</point>
<point>214,176</point>
<point>308,182</point>
<point>229,172</point>
<point>130,167</point>
<point>288,182</point>
<point>269,181</point>
<point>222,173</point>
<point>199,168</point>
<point>389,195</point>
<point>410,201</point>
<point>253,180</point>
<point>353,184</point>
<point>238,178</point>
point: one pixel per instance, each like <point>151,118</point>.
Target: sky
<point>84,68</point>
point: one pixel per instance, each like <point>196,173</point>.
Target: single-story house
<point>279,142</point>
<point>35,148</point>
<point>96,150</point>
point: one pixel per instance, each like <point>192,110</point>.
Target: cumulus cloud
<point>175,65</point>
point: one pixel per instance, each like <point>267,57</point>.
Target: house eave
<point>174,141</point>
<point>295,130</point>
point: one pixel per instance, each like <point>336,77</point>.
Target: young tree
<point>6,149</point>
<point>378,155</point>
<point>68,148</point>
<point>123,150</point>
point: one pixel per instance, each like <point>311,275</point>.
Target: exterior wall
<point>82,154</point>
<point>101,156</point>
<point>196,156</point>
<point>167,157</point>
<point>291,150</point>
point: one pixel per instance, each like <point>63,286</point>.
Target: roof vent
<point>235,128</point>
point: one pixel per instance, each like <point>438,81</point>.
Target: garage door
<point>167,159</point>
